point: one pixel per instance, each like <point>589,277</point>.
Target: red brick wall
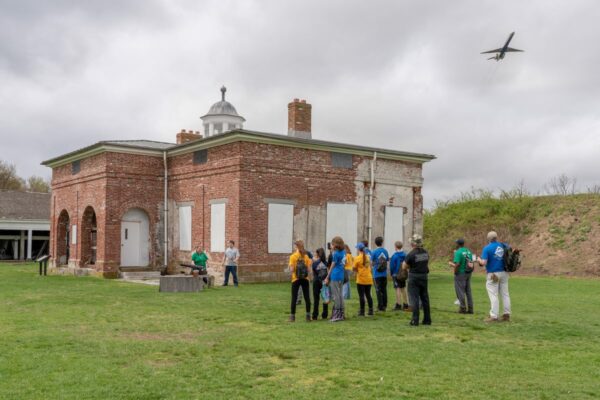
<point>198,184</point>
<point>110,183</point>
<point>244,173</point>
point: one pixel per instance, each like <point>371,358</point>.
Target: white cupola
<point>221,117</point>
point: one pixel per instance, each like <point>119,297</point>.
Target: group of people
<point>372,268</point>
<point>493,259</point>
<point>231,256</point>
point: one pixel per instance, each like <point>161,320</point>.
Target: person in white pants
<point>492,258</point>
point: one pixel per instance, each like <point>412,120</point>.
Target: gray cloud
<point>404,75</point>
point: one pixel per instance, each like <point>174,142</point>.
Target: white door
<point>130,244</point>
<point>393,227</point>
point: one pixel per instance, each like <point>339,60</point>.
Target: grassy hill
<point>559,235</point>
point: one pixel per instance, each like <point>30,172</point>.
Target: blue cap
<point>360,246</point>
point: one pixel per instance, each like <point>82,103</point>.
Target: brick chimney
<point>299,119</point>
<point>189,136</point>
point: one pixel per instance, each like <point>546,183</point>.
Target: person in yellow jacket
<point>364,279</point>
<point>300,266</point>
<point>347,271</point>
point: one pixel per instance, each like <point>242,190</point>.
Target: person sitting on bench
<point>200,257</point>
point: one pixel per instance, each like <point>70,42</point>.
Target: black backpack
<point>301,268</point>
<point>512,258</point>
<point>321,271</point>
<point>382,263</point>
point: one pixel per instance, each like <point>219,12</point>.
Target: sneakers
<point>337,316</point>
<point>405,307</point>
<point>308,318</point>
<point>490,319</point>
<point>397,307</point>
<point>292,318</point>
<point>470,312</point>
<point>462,310</point>
<point>414,323</point>
<point>361,313</point>
<point>506,317</point>
<point>370,313</point>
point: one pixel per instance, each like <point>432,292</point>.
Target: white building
<point>24,224</point>
<point>221,117</point>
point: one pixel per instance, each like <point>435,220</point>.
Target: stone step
<point>139,275</point>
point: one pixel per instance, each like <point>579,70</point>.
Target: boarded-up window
<point>393,227</point>
<point>280,228</point>
<point>341,160</point>
<point>217,227</point>
<point>185,228</point>
<point>342,220</point>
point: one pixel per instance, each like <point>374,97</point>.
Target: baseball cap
<point>460,241</point>
<point>360,246</point>
<point>416,240</point>
<point>492,235</point>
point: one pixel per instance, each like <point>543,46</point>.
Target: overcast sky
<point>398,74</point>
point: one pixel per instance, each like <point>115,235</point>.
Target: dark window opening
<point>341,160</point>
<point>200,156</point>
<point>75,167</point>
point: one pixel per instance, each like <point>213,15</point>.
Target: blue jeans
<point>231,269</point>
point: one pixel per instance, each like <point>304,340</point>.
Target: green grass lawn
<point>88,338</point>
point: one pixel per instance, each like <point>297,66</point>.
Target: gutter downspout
<point>166,215</point>
<point>370,226</point>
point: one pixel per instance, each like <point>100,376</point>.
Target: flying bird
<point>501,52</point>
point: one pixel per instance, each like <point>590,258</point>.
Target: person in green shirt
<point>462,263</point>
<point>200,258</point>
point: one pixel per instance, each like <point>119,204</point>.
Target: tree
<point>38,184</point>
<point>8,177</point>
<point>561,185</point>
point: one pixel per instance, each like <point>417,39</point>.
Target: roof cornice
<point>99,148</point>
<point>239,135</point>
<point>281,140</point>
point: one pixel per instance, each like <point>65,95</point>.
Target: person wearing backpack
<point>399,277</point>
<point>300,265</point>
<point>462,264</point>
<point>493,259</point>
<point>417,265</point>
<point>319,270</point>
<point>335,278</point>
<point>379,262</point>
<point>364,279</point>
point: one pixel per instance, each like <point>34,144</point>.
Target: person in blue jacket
<point>379,262</point>
<point>399,277</point>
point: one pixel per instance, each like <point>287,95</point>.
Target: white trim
<point>15,224</point>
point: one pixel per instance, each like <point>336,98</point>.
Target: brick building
<point>262,190</point>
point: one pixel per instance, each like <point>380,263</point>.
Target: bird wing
<point>511,49</point>
<point>492,51</point>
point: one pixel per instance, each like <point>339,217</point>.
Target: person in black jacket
<point>417,264</point>
<point>319,268</point>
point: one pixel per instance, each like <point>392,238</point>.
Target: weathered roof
<point>156,148</point>
<point>138,146</point>
<point>16,205</point>
<point>285,140</point>
<point>146,144</point>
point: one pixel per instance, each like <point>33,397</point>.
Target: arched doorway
<point>135,238</point>
<point>62,238</point>
<point>89,235</point>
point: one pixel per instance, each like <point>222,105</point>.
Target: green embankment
<point>549,229</point>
